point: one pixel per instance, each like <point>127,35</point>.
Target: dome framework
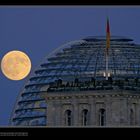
<point>79,66</point>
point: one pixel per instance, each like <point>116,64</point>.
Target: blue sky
<point>38,30</point>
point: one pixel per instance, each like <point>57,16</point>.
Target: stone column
<point>92,117</point>
<point>128,111</point>
<point>108,110</point>
<point>138,113</point>
<point>115,111</point>
<point>50,113</point>
<point>123,112</point>
<point>75,111</point>
<point>57,113</point>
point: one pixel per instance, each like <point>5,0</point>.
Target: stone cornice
<point>92,94</point>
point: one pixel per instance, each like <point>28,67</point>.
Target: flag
<point>107,37</point>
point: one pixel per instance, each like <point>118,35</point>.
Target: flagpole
<point>106,73</point>
<point>107,47</point>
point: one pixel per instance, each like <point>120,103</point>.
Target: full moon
<point>16,65</point>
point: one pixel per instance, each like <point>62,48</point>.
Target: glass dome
<point>78,62</point>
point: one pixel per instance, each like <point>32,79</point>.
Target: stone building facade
<point>93,108</point>
<point>70,86</point>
